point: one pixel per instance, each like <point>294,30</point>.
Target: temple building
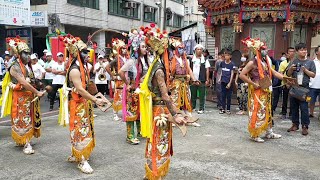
<point>280,23</point>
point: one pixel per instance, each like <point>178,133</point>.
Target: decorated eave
<point>307,3</point>
<point>235,12</point>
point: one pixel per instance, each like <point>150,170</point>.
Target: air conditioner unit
<point>149,9</point>
<point>130,5</point>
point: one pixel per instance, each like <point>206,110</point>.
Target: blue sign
<point>22,32</point>
<point>37,14</point>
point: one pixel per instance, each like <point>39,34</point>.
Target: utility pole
<point>162,14</point>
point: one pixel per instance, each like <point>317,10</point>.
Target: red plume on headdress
<point>152,25</point>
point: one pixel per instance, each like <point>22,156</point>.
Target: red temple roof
<point>216,5</point>
<point>263,2</point>
<point>308,3</point>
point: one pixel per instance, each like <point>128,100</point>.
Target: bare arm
<point>309,73</point>
<point>123,77</point>
<point>125,68</point>
<point>208,74</point>
<point>190,72</point>
<point>231,77</point>
<point>15,71</point>
<point>164,92</point>
<point>277,74</point>
<point>76,80</point>
<point>95,70</point>
<point>62,73</point>
<point>245,71</point>
<point>48,69</point>
<point>291,69</point>
<point>108,69</point>
<point>54,71</point>
<point>236,78</point>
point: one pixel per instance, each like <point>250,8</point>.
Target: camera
<point>298,67</point>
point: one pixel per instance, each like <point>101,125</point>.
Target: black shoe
<point>222,111</point>
<point>51,108</point>
<point>304,130</point>
<point>311,116</point>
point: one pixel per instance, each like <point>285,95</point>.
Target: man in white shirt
<point>43,59</point>
<point>47,81</point>
<point>48,67</point>
<point>315,82</point>
<point>59,77</point>
<point>200,68</point>
<point>101,75</point>
<point>38,70</point>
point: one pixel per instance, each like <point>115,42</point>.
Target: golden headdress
<point>116,45</point>
<point>157,40</point>
<point>254,44</point>
<point>73,44</point>
<point>17,45</point>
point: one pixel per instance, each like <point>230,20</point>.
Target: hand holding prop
<point>47,90</point>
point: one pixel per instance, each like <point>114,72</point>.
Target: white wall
<point>315,42</point>
<point>75,15</point>
<point>125,24</point>
<point>193,17</point>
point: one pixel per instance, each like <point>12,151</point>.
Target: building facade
<point>280,23</point>
<point>194,14</point>
<point>82,18</point>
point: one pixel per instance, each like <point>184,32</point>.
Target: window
<point>38,2</point>
<point>149,14</point>
<point>177,21</point>
<point>124,8</point>
<point>169,22</point>
<point>299,35</point>
<point>178,1</point>
<point>94,4</point>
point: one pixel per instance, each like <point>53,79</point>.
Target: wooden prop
<point>106,106</point>
<point>47,90</point>
<point>290,81</point>
<point>183,127</point>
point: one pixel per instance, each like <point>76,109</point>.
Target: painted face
<point>143,49</point>
<point>180,51</point>
<point>25,57</point>
<point>124,51</point>
<point>84,55</point>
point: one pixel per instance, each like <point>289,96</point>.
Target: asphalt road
<point>219,149</point>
